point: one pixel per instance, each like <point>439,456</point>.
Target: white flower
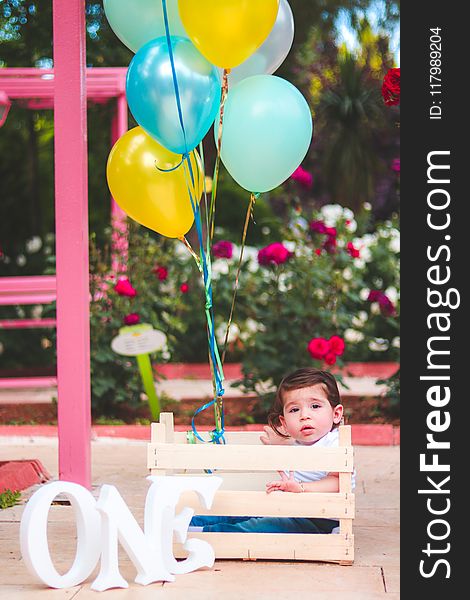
<point>21,260</point>
<point>299,223</point>
<point>351,225</point>
<point>348,214</point>
<point>290,246</point>
<point>221,332</point>
<point>166,354</point>
<point>361,318</point>
<point>364,293</point>
<point>331,213</point>
<point>378,345</point>
<point>353,336</point>
<point>396,342</point>
<point>36,311</point>
<point>375,308</point>
<point>392,293</point>
<point>395,244</point>
<point>367,206</point>
<point>347,274</point>
<point>219,267</point>
<point>265,230</point>
<point>33,245</point>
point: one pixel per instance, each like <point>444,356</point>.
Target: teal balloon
<point>267,130</point>
<point>139,21</point>
<point>151,94</point>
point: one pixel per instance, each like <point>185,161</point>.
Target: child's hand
<point>270,437</point>
<point>286,484</point>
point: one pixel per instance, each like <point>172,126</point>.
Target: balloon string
<point>249,213</point>
<point>215,178</point>
<point>218,433</point>
<point>193,254</point>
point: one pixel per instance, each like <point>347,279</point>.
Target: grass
<point>9,498</point>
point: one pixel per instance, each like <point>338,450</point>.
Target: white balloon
<point>272,53</point>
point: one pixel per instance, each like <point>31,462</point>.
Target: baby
<point>307,411</point>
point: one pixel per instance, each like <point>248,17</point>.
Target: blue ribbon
<point>216,435</point>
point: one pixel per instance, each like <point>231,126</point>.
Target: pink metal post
<point>71,204</point>
<point>118,216</point>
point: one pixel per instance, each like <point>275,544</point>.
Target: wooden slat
<point>281,546</point>
<point>276,504</point>
<point>249,458</point>
<point>231,437</point>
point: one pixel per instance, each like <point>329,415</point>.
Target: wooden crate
<point>170,453</point>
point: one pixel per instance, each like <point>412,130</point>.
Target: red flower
<point>318,348</point>
<point>391,87</point>
<point>223,249</point>
<point>318,251</point>
<point>275,253</point>
<point>396,165</point>
<point>184,288</point>
<point>387,307</point>
<point>303,177</point>
<point>160,272</point>
<point>352,250</point>
<point>330,244</point>
<point>318,227</point>
<point>124,288</point>
<point>336,345</point>
<point>131,319</point>
<point>330,358</point>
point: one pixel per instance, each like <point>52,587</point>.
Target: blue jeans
<point>264,524</point>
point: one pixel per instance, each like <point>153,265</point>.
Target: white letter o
<point>33,534</point>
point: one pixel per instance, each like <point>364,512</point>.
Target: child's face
<point>308,416</point>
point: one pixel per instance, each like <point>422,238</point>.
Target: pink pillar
<point>118,216</point>
<point>71,205</point>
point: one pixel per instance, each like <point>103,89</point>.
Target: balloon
<point>271,54</point>
<point>267,131</point>
<point>151,94</point>
<point>227,32</point>
<point>159,200</point>
<point>137,22</point>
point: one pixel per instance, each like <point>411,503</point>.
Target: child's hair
<point>302,378</point>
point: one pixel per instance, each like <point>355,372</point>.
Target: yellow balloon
<point>154,198</point>
<point>227,32</point>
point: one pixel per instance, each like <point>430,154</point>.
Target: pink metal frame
<point>66,89</point>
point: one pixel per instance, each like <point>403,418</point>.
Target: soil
<point>237,411</point>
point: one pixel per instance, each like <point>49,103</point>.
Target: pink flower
<point>318,348</point>
<point>275,253</point>
<point>303,177</point>
<point>352,250</point>
<point>223,249</point>
<point>160,272</point>
<point>396,165</point>
<point>336,345</point>
<point>184,288</point>
<point>131,319</point>
<point>124,288</point>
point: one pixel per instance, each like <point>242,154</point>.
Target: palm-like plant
<point>351,118</point>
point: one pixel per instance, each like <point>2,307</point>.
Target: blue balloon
<point>151,94</point>
<point>267,130</point>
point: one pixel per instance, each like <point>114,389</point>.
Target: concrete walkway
<point>374,575</point>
